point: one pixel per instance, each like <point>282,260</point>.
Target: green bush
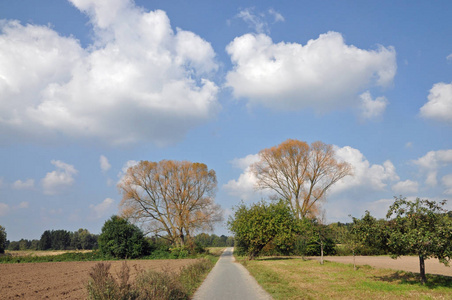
<point>120,239</point>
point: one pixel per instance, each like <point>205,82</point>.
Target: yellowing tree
<point>299,173</point>
<point>171,199</point>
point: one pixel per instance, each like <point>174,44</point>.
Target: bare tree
<point>171,199</point>
<point>299,173</point>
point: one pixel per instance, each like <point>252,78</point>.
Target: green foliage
<point>120,239</point>
<point>420,227</point>
<point>70,256</point>
<point>262,223</point>
<point>368,236</point>
<point>2,239</point>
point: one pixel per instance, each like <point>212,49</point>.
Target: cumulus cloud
<point>447,182</point>
<point>371,109</point>
<point>449,57</point>
<point>365,175</point>
<point>4,209</point>
<point>125,167</point>
<point>405,187</point>
<point>244,186</point>
<point>431,162</point>
<point>102,209</point>
<point>56,181</point>
<point>439,105</point>
<point>324,74</point>
<point>138,80</point>
<point>23,185</point>
<point>104,164</point>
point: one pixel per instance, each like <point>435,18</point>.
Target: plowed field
<point>66,280</point>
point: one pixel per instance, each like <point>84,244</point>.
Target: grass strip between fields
<point>290,278</point>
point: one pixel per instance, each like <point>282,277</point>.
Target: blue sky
<point>88,87</point>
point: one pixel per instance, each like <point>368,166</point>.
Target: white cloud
<point>254,21</point>
<point>102,209</point>
<point>323,74</point>
<point>439,105</point>
<point>139,80</point>
<point>447,182</point>
<point>278,17</point>
<point>405,187</point>
<point>54,182</point>
<point>23,204</point>
<point>23,185</point>
<point>449,57</point>
<point>104,164</point>
<point>125,167</point>
<point>431,162</point>
<point>371,109</point>
<point>4,209</point>
<point>244,186</point>
<point>367,176</point>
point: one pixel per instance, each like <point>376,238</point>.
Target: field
<point>289,278</point>
<point>66,280</point>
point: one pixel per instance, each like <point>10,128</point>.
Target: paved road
<point>230,280</point>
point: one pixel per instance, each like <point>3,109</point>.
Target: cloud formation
<point>366,176</point>
<point>439,105</point>
<point>138,80</point>
<point>370,108</point>
<point>56,181</point>
<point>431,162</point>
<point>102,209</point>
<point>104,164</point>
<point>324,74</point>
<point>23,185</point>
<point>405,187</point>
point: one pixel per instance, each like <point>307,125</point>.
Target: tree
<point>260,224</point>
<point>2,239</point>
<point>420,227</point>
<point>300,174</point>
<point>173,199</point>
<point>45,242</point>
<point>121,239</point>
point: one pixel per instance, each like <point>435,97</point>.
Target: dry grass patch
<point>299,279</point>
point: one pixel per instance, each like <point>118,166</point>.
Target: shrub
<point>120,239</point>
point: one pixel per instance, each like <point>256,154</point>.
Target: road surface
<point>229,280</point>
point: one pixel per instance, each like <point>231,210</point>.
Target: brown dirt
<point>404,263</point>
<point>66,280</point>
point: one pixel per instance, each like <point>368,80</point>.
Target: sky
<point>91,87</point>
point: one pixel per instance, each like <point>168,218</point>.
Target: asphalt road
<point>229,280</point>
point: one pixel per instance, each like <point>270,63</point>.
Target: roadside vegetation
<point>291,278</point>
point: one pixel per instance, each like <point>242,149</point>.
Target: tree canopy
<point>121,239</point>
<point>420,227</point>
<point>260,224</point>
<point>299,173</point>
<point>2,239</point>
<point>171,199</point>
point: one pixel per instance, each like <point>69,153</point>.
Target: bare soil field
<point>404,263</point>
<point>67,280</point>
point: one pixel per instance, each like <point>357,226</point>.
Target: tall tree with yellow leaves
<point>170,198</point>
<point>300,174</point>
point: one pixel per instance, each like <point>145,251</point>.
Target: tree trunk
<point>354,264</point>
<point>422,269</point>
<point>321,253</point>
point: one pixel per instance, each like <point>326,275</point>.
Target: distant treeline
<point>81,239</point>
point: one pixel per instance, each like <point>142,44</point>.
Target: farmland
<point>67,280</point>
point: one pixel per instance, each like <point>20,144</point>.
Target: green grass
<point>299,279</point>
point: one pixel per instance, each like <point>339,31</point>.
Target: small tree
<point>421,227</point>
<point>121,239</point>
<point>2,239</point>
<point>262,223</point>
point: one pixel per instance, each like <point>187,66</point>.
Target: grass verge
<point>286,278</point>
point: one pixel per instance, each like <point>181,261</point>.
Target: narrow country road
<point>230,280</point>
